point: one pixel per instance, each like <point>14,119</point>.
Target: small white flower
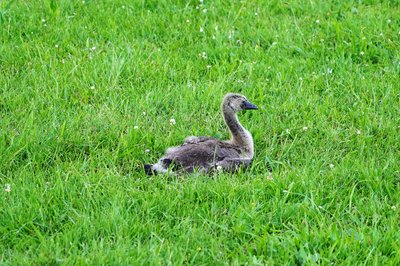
<point>135,127</point>
<point>301,79</point>
<point>144,113</point>
<point>83,2</point>
<point>147,150</point>
<point>8,188</point>
<point>240,61</point>
<point>256,14</point>
<point>93,48</point>
<point>393,207</point>
<point>204,55</point>
<point>172,121</point>
<point>305,128</point>
<point>285,191</point>
<point>219,168</point>
<point>56,45</point>
<point>358,132</point>
<point>317,21</point>
<point>213,37</point>
<point>43,20</point>
<point>201,29</point>
<point>287,131</point>
<point>329,70</point>
<point>389,20</point>
<point>331,166</point>
<point>361,53</point>
<point>381,34</point>
<point>204,10</point>
<point>274,43</point>
<point>363,38</point>
<point>208,66</point>
<point>270,177</point>
<point>92,87</point>
<point>187,21</point>
<point>197,7</point>
<point>201,1</point>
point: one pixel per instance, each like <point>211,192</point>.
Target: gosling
<point>206,154</point>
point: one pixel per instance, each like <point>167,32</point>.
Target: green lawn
<point>87,91</point>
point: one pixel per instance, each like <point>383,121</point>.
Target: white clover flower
<point>172,121</point>
<point>56,45</point>
<point>92,87</point>
<point>43,20</point>
<point>256,14</point>
<point>204,10</point>
<point>187,21</point>
<point>389,20</point>
<point>301,79</point>
<point>201,29</point>
<point>123,7</point>
<point>204,55</point>
<point>93,48</point>
<point>361,53</point>
<point>83,2</point>
<point>135,127</point>
<point>270,177</point>
<point>317,21</point>
<point>147,150</point>
<point>393,207</point>
<point>358,132</point>
<point>213,37</point>
<point>208,66</point>
<point>219,168</point>
<point>144,113</point>
<point>305,128</point>
<point>331,166</point>
<point>287,131</point>
<point>8,188</point>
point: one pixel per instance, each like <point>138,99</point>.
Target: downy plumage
<point>206,154</point>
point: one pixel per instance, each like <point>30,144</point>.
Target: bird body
<point>206,154</point>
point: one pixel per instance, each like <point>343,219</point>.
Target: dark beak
<point>249,106</point>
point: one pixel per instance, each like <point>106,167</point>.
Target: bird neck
<point>239,135</point>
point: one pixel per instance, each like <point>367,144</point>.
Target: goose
<point>207,154</point>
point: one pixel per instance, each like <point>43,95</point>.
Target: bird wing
<point>203,154</point>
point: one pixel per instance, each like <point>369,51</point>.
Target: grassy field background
<point>88,89</point>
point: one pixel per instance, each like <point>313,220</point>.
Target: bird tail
<point>148,169</point>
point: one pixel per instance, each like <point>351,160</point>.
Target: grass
<point>76,78</point>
